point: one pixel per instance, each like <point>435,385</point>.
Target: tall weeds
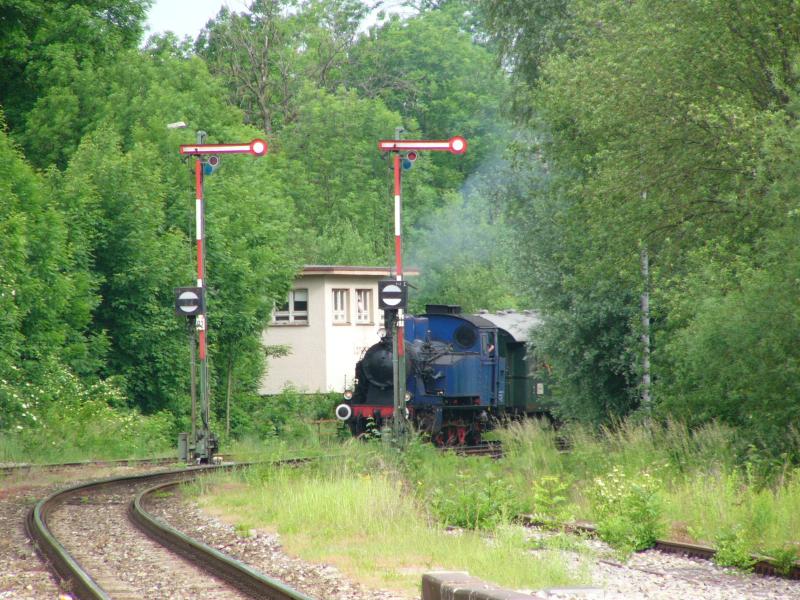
<point>705,490</point>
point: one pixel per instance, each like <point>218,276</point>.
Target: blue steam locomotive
<point>463,374</point>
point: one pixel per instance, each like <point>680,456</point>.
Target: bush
<point>732,550</point>
<point>551,499</point>
<point>62,417</point>
<point>476,500</point>
<point>627,511</point>
<point>287,415</point>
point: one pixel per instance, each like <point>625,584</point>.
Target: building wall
<point>302,367</point>
<point>323,354</point>
<point>344,344</point>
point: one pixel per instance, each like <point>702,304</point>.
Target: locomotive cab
<point>457,375</point>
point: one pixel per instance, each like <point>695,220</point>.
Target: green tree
<point>46,295</point>
<point>430,71</point>
<point>527,33</point>
<point>339,182</point>
<point>267,55</point>
<point>658,125</point>
<point>253,255</point>
<point>139,258</point>
<point>48,46</point>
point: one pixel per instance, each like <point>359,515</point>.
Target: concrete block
<point>457,585</point>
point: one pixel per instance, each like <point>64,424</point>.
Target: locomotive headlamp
<point>408,396</point>
<point>343,412</point>
<point>348,394</point>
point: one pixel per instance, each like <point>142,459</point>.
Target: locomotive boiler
<point>463,374</point>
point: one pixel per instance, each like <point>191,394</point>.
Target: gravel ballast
<point>645,575</point>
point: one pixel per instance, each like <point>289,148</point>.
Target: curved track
<point>247,580</point>
<point>74,529</point>
<point>8,469</point>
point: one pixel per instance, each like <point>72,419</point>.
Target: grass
<point>14,449</point>
<point>716,504</point>
<point>252,449</point>
<point>358,513</point>
<point>381,516</point>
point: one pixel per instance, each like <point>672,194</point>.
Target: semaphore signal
<point>405,153</point>
<point>206,162</point>
<point>455,145</point>
<point>257,147</point>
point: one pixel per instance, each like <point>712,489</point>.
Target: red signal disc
<point>458,145</point>
<point>258,147</point>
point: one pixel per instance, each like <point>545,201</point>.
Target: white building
<point>330,317</point>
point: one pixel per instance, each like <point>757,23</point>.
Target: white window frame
<point>293,315</point>
<point>341,306</point>
<point>364,306</point>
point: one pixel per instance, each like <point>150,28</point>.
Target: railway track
<point>761,565</point>
<point>73,529</point>
<point>10,469</point>
<point>493,449</point>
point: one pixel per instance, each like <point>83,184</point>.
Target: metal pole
<point>646,400</point>
<point>399,340</point>
<point>204,447</point>
<point>193,379</point>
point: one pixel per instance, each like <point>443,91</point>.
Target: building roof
<point>363,271</point>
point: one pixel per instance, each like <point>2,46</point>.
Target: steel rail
<point>762,565</point>
<point>246,579</point>
<point>73,576</point>
<point>493,449</point>
<point>7,469</point>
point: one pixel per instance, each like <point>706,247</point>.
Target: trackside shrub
<point>627,509</point>
<point>784,558</point>
<point>62,417</point>
<point>288,415</point>
<point>551,499</point>
<point>733,549</point>
<point>475,500</point>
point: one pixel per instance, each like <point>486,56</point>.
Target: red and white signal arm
<point>257,147</point>
<point>455,145</point>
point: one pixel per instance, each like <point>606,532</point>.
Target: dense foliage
<point>668,128</point>
<point>647,128</point>
<point>97,207</point>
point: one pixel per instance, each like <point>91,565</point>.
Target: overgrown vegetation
<point>385,512</point>
<point>357,509</point>
<point>642,481</point>
<point>666,130</point>
<point>62,419</point>
<point>97,207</point>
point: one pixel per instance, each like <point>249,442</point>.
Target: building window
<point>341,300</point>
<point>364,306</point>
<point>294,310</point>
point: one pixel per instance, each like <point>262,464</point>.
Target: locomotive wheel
<point>474,438</point>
